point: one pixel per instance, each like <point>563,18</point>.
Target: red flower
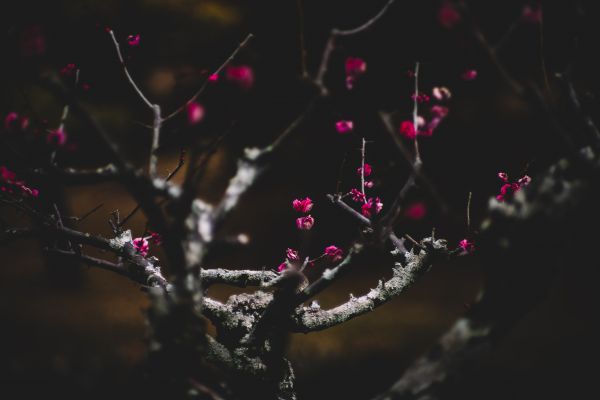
<point>368,170</point>
<point>292,255</point>
<point>305,223</point>
<point>357,195</point>
<point>133,40</point>
<point>333,253</point>
<point>469,75</point>
<point>56,138</point>
<point>303,206</point>
<point>344,126</point>
<point>466,245</point>
<point>371,207</point>
<point>407,129</point>
<point>141,245</point>
<point>355,67</point>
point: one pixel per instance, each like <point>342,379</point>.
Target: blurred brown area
<point>81,332</point>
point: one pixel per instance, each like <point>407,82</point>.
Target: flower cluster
<point>306,222</point>
<point>370,206</point>
<point>332,253</point>
<point>11,185</point>
<point>355,67</point>
<point>509,188</point>
<point>437,113</point>
<point>14,122</point>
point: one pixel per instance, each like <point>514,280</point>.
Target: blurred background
<point>67,329</point>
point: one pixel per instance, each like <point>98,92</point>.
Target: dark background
<point>79,331</point>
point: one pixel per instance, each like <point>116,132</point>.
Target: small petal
<point>368,170</point>
<point>292,255</point>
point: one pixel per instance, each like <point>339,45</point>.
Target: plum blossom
<point>469,75</point>
<point>466,245</point>
<point>371,207</point>
<point>357,195</point>
<point>213,78</point>
<point>141,245</point>
<point>292,255</point>
<point>305,223</point>
<point>344,126</point>
<point>333,253</point>
<point>407,129</point>
<point>282,267</point>
<point>13,121</point>
<point>133,40</point>
<point>195,113</point>
<point>68,70</point>
<point>441,93</point>
<point>56,137</point>
<point>509,188</point>
<point>303,206</point>
<point>242,75</point>
<point>368,169</point>
<point>355,67</point>
<point>369,184</point>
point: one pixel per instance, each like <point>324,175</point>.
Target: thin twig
<point>243,44</point>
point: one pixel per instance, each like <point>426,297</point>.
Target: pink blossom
<point>466,245</point>
<point>532,14</point>
<point>439,111</point>
<point>344,126</point>
<point>448,16</point>
<point>469,75</point>
<point>357,195</point>
<point>441,93</point>
<point>68,70</point>
<point>303,206</point>
<point>10,184</point>
<point>368,170</point>
<point>371,207</point>
<point>56,138</point>
<point>242,75</point>
<point>355,67</point>
<point>213,78</point>
<point>10,120</point>
<point>416,211</point>
<point>333,253</point>
<point>141,245</point>
<point>503,176</point>
<point>368,184</point>
<point>407,129</point>
<point>195,113</point>
<point>524,181</point>
<point>292,255</point>
<point>282,267</point>
<point>305,223</point>
<point>133,40</point>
